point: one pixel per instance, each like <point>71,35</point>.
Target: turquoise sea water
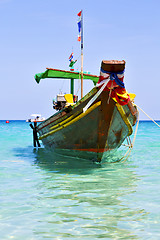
<point>48,196</point>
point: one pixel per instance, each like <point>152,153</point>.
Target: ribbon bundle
<point>115,85</point>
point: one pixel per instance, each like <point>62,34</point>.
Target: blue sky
<point>36,34</point>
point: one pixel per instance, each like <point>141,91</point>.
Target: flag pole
<point>81,54</point>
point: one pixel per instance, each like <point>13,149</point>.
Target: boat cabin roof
<point>63,74</point>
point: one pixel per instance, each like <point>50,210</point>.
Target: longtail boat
<point>97,123</point>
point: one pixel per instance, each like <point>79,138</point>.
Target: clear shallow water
<point>47,196</point>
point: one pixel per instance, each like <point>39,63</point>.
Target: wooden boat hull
<point>103,127</point>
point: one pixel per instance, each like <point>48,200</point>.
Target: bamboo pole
<point>81,73</point>
<point>81,54</point>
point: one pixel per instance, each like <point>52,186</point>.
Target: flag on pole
<point>71,57</point>
<point>79,25</point>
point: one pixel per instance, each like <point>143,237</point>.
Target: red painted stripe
<point>92,150</point>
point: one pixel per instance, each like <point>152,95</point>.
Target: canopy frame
<point>63,74</point>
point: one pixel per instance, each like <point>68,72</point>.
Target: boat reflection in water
<point>93,200</point>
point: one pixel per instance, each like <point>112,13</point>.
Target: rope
<point>61,88</point>
<point>148,116</point>
<point>110,93</point>
<point>131,143</point>
<point>137,126</point>
<point>130,146</point>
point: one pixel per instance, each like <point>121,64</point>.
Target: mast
<point>80,39</point>
<point>81,54</point>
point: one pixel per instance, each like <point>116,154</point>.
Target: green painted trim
<point>72,86</point>
<point>62,74</point>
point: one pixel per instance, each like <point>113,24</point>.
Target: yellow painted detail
<point>125,119</point>
<point>132,96</point>
<point>72,121</point>
<point>69,98</point>
<point>64,121</point>
<point>124,95</point>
